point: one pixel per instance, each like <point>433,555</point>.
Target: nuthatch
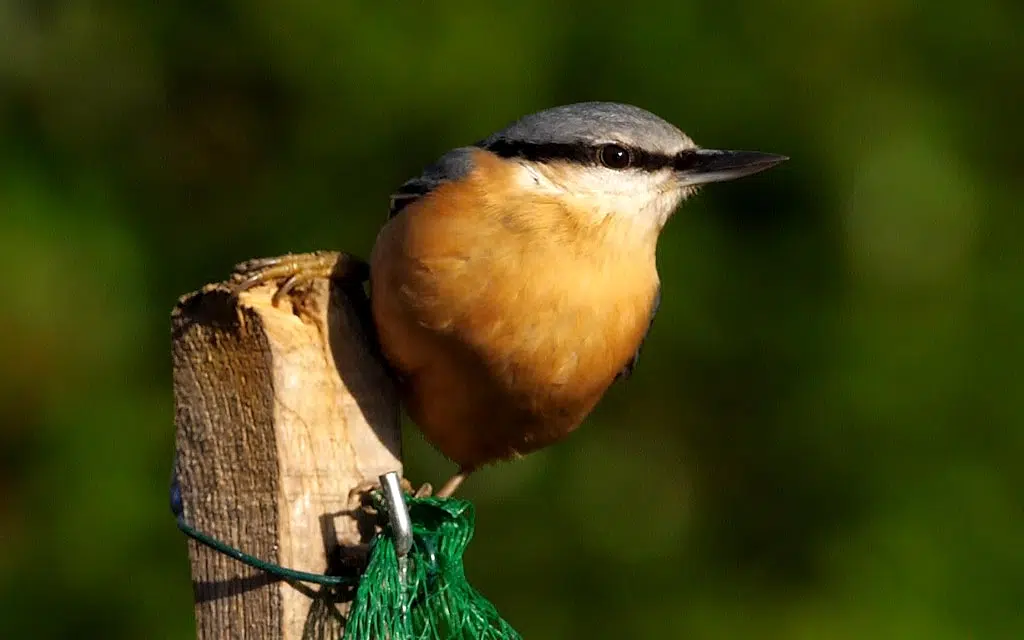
<point>515,279</point>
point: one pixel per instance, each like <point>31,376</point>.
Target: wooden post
<point>280,412</point>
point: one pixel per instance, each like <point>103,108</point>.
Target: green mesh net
<point>424,595</point>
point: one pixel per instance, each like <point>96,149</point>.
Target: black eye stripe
<point>544,151</point>
<point>686,160</point>
<point>588,154</point>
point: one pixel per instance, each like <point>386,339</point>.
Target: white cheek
<point>531,179</point>
<point>648,198</point>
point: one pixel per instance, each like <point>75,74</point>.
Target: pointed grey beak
<point>701,166</point>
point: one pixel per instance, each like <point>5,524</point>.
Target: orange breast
<point>506,315</point>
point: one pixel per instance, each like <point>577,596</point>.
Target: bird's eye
<point>615,157</point>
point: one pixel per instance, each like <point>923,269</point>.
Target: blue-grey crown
<point>594,123</point>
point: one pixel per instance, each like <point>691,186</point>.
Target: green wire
<point>276,570</point>
<point>262,565</point>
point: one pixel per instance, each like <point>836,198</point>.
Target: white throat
<point>646,199</point>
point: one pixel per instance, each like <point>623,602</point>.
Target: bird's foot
<point>453,483</point>
<point>361,496</point>
<point>297,269</point>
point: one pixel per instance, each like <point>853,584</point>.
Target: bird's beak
<point>701,166</point>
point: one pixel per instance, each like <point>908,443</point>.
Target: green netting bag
<point>424,595</point>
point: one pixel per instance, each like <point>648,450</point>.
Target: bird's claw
<point>361,496</point>
<point>295,269</point>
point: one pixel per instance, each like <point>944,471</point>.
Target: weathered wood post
<point>280,412</point>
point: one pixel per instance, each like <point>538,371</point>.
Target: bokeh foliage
<point>822,439</point>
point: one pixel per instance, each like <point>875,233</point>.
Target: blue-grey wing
<point>454,165</point>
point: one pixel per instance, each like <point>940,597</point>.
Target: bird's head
<point>610,159</point>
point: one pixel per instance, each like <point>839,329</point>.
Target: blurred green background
<point>824,436</point>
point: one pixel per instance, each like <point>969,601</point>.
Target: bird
<point>515,279</point>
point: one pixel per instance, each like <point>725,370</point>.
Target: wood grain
<point>280,412</point>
